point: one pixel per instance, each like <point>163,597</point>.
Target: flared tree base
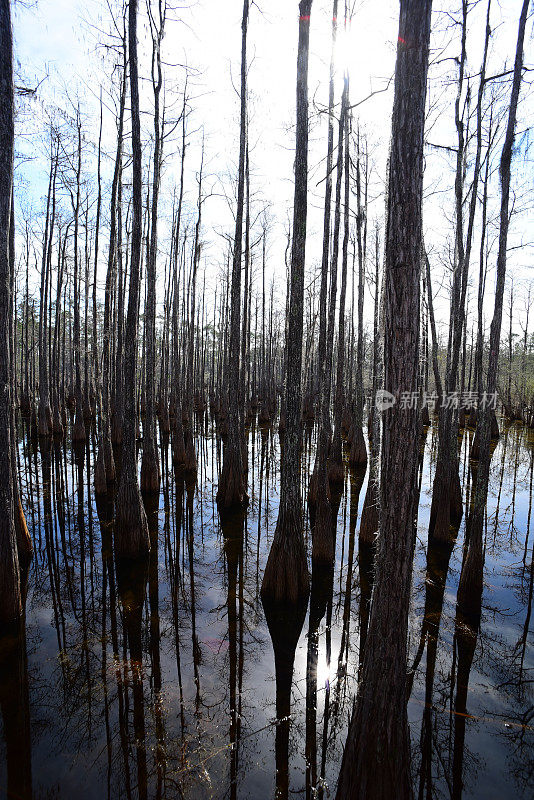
<point>150,474</point>
<point>358,450</point>
<point>231,492</point>
<point>286,579</point>
<point>131,527</point>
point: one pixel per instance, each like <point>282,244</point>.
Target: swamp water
<point>159,682</point>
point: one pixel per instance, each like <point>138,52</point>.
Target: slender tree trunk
<point>45,413</point>
<point>479,347</point>
<point>150,474</point>
<point>94,353</point>
<point>178,443</point>
<point>510,412</point>
<point>57,422</point>
<point>119,287</point>
<point>358,451</point>
<point>24,542</point>
<point>105,465</point>
<point>88,376</point>
<point>446,509</point>
<point>232,489</point>
<point>471,579</point>
<point>78,429</point>
<point>190,455</point>
<point>336,469</point>
<point>523,397</point>
<point>322,445</point>
<point>319,494</point>
<point>131,529</point>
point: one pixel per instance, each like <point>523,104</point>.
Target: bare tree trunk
<point>510,411</point>
<point>117,355</point>
<point>150,474</point>
<point>435,363</point>
<point>232,489</point>
<point>471,579</point>
<point>336,473</point>
<point>45,413</point>
<point>94,353</point>
<point>286,578</point>
<point>319,472</point>
<point>131,528</point>
<point>190,455</point>
<point>88,376</point>
<point>178,443</point>
<point>78,429</point>
<point>376,760</point>
<point>447,509</point>
<point>523,397</point>
<point>479,347</point>
<point>358,451</point>
<point>23,538</point>
<point>370,512</point>
<point>321,516</point>
<point>57,422</point>
<point>10,596</point>
<point>105,465</point>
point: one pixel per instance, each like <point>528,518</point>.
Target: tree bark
<point>286,578</point>
<point>150,474</point>
<point>447,510</point>
<point>178,442</point>
<point>471,579</point>
<point>358,451</point>
<point>376,760</point>
<point>336,472</point>
<point>231,490</point>
<point>105,466</point>
<point>78,429</point>
<point>131,528</point>
<point>45,413</point>
<point>10,596</point>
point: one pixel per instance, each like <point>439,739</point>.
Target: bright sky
<point>59,38</point>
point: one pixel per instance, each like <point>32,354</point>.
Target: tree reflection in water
<point>167,678</point>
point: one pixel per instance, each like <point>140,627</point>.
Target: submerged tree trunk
<point>131,528</point>
<point>286,578</point>
<point>376,760</point>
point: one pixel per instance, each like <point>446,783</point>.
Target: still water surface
<point>160,682</point>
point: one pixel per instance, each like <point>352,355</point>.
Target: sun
<point>325,672</point>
